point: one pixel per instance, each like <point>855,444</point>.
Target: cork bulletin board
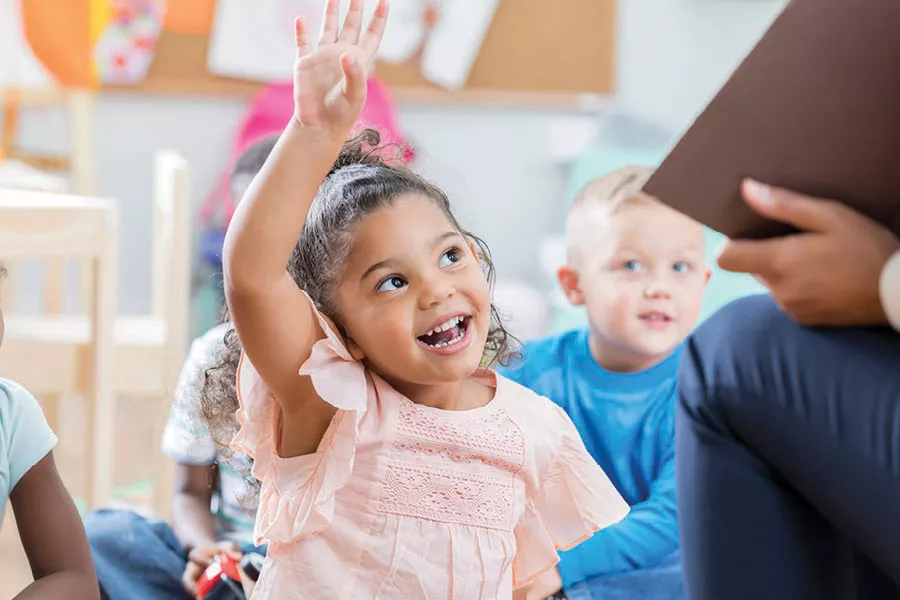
<point>535,51</point>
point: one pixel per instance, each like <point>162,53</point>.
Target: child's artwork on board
<point>248,43</point>
<point>18,64</point>
<point>455,40</point>
<point>81,43</point>
<point>125,48</point>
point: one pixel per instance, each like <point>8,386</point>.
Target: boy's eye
<point>391,284</point>
<point>681,267</point>
<point>451,256</point>
<point>633,265</point>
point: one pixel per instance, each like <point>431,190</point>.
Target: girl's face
<point>413,299</point>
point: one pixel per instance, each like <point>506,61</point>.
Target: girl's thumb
<point>354,78</point>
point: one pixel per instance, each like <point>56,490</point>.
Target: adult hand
<point>200,558</point>
<point>825,275</point>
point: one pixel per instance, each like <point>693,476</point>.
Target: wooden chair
<point>56,227</point>
<point>71,172</point>
<point>149,349</point>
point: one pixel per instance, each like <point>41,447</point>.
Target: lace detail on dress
<point>448,496</point>
<point>454,468</point>
<point>489,437</point>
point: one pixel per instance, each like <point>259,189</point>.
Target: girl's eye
<point>391,284</point>
<point>633,265</point>
<point>451,256</point>
<point>681,267</point>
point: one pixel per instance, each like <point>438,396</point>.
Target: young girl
<point>48,522</point>
<point>391,465</point>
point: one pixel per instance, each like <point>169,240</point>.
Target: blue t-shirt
<point>25,437</point>
<point>627,423</point>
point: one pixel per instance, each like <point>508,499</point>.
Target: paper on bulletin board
<point>128,36</point>
<point>77,42</point>
<point>18,65</point>
<point>455,40</point>
<point>405,31</point>
<point>248,43</point>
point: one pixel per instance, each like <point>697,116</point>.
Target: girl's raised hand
<point>330,78</point>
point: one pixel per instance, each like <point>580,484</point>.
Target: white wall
<point>494,163</point>
<point>675,54</point>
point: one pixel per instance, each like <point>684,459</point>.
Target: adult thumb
<point>805,213</point>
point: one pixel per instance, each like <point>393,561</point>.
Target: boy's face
<point>641,278</point>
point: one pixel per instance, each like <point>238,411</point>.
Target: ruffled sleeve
<point>574,500</point>
<point>297,494</point>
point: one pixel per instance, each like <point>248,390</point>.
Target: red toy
<point>221,580</point>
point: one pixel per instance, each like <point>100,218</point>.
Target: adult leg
<point>788,458</point>
<point>135,558</point>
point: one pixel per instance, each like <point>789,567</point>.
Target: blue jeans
<point>660,582</point>
<point>788,459</point>
<point>137,558</point>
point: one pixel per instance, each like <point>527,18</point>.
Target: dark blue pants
<point>788,459</point>
<point>137,558</point>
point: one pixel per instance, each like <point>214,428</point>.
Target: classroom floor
<point>134,444</point>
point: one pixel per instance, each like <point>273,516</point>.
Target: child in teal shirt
<point>48,522</point>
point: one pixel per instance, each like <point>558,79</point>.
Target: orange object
<point>58,32</point>
<point>189,17</point>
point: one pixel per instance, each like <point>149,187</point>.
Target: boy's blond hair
<point>602,197</point>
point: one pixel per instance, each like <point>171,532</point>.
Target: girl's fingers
<point>354,78</point>
<point>372,38</point>
<point>329,33</point>
<point>301,35</point>
<point>353,23</point>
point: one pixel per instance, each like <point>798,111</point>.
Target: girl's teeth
<point>451,342</point>
<point>451,323</point>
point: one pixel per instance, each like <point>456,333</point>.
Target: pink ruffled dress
<point>403,501</point>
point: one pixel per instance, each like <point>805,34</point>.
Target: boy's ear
<point>568,281</point>
<point>474,248</point>
<point>707,275</point>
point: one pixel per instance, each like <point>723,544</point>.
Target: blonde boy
<point>638,268</point>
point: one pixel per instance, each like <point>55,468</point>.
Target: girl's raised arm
<point>273,319</point>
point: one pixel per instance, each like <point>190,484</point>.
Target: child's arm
<point>648,534</point>
<point>192,520</point>
<point>276,325</point>
<point>53,536</point>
